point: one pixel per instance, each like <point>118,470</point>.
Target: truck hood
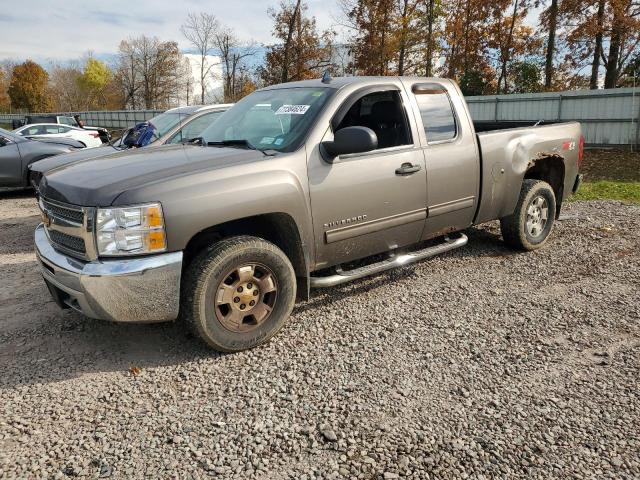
<point>98,182</point>
<point>43,166</point>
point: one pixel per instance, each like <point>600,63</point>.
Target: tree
<point>465,40</point>
<point>127,73</point>
<point>374,39</point>
<point>65,88</point>
<point>505,49</point>
<point>28,88</point>
<point>525,77</point>
<point>595,25</point>
<point>302,52</point>
<point>549,19</point>
<point>474,82</point>
<point>94,81</point>
<point>6,70</point>
<point>150,72</point>
<point>624,40</point>
<point>631,75</point>
<point>200,30</point>
<point>430,17</point>
<point>597,51</point>
<point>233,53</point>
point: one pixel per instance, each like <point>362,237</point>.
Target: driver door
<point>371,202</point>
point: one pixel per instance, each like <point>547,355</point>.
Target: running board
<point>343,276</point>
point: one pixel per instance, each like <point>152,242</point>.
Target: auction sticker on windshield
<point>292,110</point>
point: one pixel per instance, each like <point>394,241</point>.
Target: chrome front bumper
<point>143,289</point>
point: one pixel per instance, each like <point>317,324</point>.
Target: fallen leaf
<point>135,371</point>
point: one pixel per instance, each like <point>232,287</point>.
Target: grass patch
<point>607,190</point>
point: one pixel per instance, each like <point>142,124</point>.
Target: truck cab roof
<point>340,82</point>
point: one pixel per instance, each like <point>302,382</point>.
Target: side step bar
<point>343,276</point>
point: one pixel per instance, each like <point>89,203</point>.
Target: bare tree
<point>64,85</point>
<point>128,72</point>
<point>149,72</point>
<point>200,30</point>
<point>233,52</point>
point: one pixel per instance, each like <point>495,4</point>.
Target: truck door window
<point>438,117</point>
<point>383,113</point>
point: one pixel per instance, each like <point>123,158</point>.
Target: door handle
<point>408,169</point>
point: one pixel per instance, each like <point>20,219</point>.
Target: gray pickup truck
<point>300,185</point>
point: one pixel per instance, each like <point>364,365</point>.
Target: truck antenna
<point>326,77</point>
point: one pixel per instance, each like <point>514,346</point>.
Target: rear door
<point>450,152</point>
<point>10,163</point>
<point>363,203</point>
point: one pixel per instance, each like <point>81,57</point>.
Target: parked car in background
<point>88,138</point>
<point>146,133</point>
<point>306,184</point>
<point>71,120</point>
<point>17,153</point>
<point>186,124</point>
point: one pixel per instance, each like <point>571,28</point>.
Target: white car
<point>89,138</point>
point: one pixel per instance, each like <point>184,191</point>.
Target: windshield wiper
<point>241,142</point>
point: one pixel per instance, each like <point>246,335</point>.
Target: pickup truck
<point>302,185</point>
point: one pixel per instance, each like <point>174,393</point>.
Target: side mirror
<point>350,140</point>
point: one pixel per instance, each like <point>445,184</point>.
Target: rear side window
<point>438,117</point>
<point>37,130</point>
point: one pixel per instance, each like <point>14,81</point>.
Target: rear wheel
<point>532,221</point>
<point>238,293</point>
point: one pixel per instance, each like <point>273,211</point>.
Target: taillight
<point>95,135</point>
<point>580,151</point>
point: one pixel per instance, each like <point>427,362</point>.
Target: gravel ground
<point>482,363</point>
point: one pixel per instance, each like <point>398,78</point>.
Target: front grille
<point>76,216</point>
<point>69,227</point>
<point>68,241</point>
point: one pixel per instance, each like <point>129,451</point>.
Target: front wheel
<point>529,226</point>
<point>238,293</point>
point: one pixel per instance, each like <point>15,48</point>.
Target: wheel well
<point>277,228</point>
<point>551,170</point>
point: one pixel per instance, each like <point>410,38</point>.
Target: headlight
<point>130,230</point>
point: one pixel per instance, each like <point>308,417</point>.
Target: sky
<point>63,30</point>
<point>59,31</point>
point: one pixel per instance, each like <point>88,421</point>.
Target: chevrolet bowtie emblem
<point>46,219</point>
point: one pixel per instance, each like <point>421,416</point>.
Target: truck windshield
<point>269,119</point>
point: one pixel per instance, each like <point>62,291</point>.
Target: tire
<point>526,228</point>
<point>211,301</point>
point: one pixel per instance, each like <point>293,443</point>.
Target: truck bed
<point>507,152</point>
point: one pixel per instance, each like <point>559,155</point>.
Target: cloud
<point>57,31</point>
